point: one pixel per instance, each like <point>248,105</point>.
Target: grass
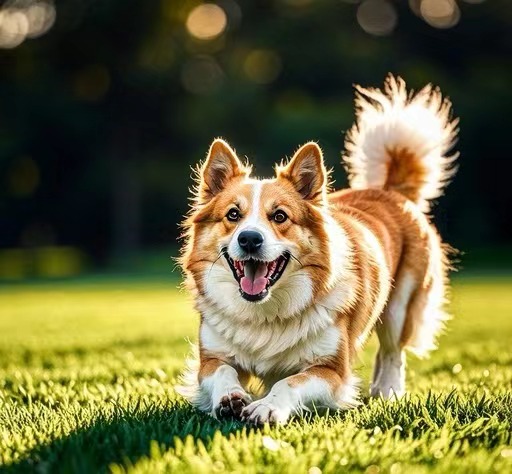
<point>87,372</point>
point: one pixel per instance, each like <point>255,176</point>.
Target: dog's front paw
<point>231,406</point>
<point>264,411</point>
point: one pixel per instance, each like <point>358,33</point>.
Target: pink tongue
<point>256,284</point>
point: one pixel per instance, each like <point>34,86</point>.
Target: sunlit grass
<point>87,374</point>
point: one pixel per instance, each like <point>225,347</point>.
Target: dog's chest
<point>274,346</point>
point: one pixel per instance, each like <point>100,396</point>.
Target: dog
<point>290,277</point>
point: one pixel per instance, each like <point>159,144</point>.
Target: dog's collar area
<point>255,277</point>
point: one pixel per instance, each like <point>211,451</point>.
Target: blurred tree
<point>102,116</point>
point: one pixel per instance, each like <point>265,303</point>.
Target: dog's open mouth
<point>255,277</point>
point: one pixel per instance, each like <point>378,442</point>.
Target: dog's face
<point>259,241</point>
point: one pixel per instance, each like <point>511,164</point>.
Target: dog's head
<point>255,241</point>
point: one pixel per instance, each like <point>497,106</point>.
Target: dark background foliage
<point>102,116</point>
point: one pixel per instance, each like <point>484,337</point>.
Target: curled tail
<point>400,141</point>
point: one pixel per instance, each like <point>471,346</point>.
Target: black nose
<point>250,240</point>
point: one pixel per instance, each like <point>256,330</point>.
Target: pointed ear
<point>221,166</point>
<point>307,172</point>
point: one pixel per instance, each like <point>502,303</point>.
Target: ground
<point>88,369</point>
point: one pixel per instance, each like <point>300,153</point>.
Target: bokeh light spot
<point>13,28</point>
<point>377,17</point>
<point>206,22</point>
<point>457,369</point>
<point>21,19</point>
<point>262,66</point>
<point>41,17</point>
<point>202,75</point>
<point>440,13</point>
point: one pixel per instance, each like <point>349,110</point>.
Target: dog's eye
<point>279,216</point>
<point>233,215</point>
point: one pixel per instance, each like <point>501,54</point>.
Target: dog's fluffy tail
<point>401,140</point>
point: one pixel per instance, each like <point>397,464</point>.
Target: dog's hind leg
<point>413,317</point>
<point>389,372</point>
<point>425,314</point>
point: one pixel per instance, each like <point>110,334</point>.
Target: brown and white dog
<point>290,277</point>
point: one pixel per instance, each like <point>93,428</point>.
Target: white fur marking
<point>254,215</point>
<point>284,400</point>
<point>390,328</point>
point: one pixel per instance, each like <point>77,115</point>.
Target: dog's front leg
<point>318,385</point>
<point>220,389</point>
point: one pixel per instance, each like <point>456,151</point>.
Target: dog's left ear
<point>307,173</point>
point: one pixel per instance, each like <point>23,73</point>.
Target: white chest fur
<point>272,347</point>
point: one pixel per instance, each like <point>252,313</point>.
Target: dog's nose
<point>250,240</point>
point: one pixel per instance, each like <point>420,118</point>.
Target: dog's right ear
<point>221,166</point>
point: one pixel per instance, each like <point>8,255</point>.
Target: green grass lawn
<point>87,375</point>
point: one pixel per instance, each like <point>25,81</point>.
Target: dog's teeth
<point>270,268</point>
<point>239,268</point>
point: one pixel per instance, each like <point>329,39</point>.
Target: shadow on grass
<point>124,437</point>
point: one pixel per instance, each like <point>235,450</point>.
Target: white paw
<point>265,411</point>
<point>389,382</point>
<point>387,391</point>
